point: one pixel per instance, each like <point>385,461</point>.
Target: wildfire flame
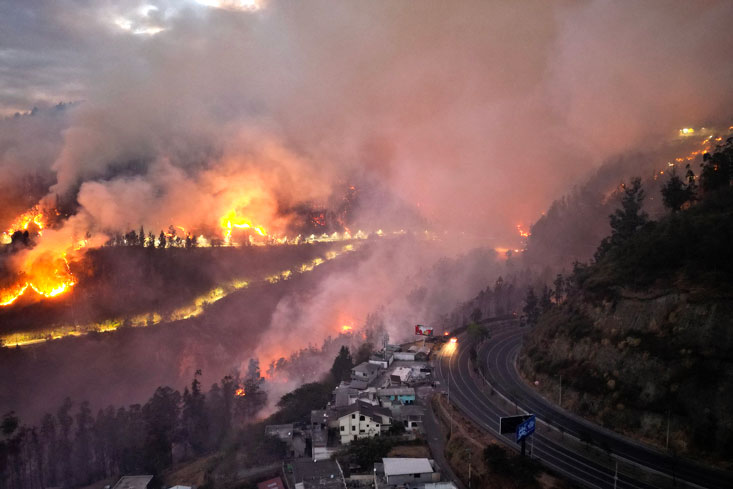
<point>48,274</point>
<point>346,328</point>
<point>522,232</point>
<point>240,392</point>
<point>23,222</point>
<point>232,220</point>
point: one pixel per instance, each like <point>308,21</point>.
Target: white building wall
<point>352,425</point>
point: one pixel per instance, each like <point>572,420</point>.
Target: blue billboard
<point>525,428</point>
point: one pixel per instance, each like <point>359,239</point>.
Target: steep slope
<point>642,340</point>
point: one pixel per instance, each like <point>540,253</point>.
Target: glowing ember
<point>522,232</point>
<point>346,328</point>
<point>240,392</point>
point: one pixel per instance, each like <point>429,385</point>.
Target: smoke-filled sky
<point>477,113</point>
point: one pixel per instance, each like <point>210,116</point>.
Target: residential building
<point>365,371</point>
<point>409,471</point>
<point>323,474</point>
<point>401,395</point>
<point>133,482</point>
<point>362,420</point>
<point>441,485</point>
<point>293,438</point>
<point>400,375</point>
<point>275,483</point>
<point>410,416</point>
<point>383,359</point>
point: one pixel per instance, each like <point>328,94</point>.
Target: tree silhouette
<point>675,193</point>
<point>717,168</point>
<point>626,220</point>
<point>531,307</point>
<point>342,365</point>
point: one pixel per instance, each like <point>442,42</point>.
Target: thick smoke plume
<point>471,116</point>
<point>457,108</point>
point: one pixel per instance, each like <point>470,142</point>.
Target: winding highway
<point>484,405</point>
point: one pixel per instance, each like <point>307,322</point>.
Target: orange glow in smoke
<point>453,340</point>
<point>240,392</point>
<point>346,328</point>
<point>522,232</point>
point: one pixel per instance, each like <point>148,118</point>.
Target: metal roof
<point>366,367</point>
<point>404,466</point>
<point>133,482</point>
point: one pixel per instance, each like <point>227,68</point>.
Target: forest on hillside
<point>642,332</point>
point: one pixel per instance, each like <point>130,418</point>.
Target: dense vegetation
<point>72,447</point>
<point>641,335</point>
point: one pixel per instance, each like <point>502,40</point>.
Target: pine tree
<point>546,299</point>
<point>194,421</point>
<point>531,307</point>
<point>559,291</point>
<point>342,365</point>
<point>626,220</point>
<point>675,193</point>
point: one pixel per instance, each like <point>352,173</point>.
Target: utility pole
<point>450,410</point>
<point>469,468</point>
<point>560,403</point>
<point>531,448</point>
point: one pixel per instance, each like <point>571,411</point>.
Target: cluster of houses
<point>380,397</point>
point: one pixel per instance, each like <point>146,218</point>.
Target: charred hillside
<point>642,336</point>
<point>118,283</point>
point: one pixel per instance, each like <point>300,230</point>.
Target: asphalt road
<point>469,392</point>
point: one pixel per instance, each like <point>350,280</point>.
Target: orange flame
<point>346,328</point>
<point>48,274</point>
<point>522,232</point>
<point>23,222</point>
<point>240,392</point>
<point>231,220</point>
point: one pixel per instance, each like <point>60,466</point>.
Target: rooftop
<point>133,482</point>
<point>275,483</point>
<point>366,367</point>
<point>396,391</point>
<point>358,385</point>
<point>364,408</point>
<point>404,466</point>
<point>323,474</point>
<point>319,416</point>
<point>281,431</point>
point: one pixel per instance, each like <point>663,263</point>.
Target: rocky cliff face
<point>634,363</point>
